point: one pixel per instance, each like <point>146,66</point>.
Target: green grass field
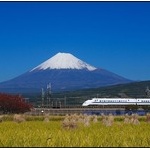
<point>37,133</point>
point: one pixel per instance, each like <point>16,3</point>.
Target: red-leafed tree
<point>13,104</point>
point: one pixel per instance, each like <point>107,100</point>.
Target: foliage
<point>13,104</point>
<point>135,90</point>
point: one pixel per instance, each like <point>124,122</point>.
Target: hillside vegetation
<point>132,90</point>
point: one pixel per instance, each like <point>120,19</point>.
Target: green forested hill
<point>136,89</point>
<point>132,90</point>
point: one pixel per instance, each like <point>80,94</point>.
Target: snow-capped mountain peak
<point>64,61</point>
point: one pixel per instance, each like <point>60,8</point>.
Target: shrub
<point>13,104</point>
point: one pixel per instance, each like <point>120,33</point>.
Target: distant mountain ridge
<point>64,72</point>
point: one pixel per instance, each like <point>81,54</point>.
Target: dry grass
<point>18,118</point>
<point>70,122</point>
<point>148,117</point>
<point>73,121</point>
<point>1,118</point>
<point>46,117</point>
<point>107,120</point>
<point>110,120</point>
<point>104,118</point>
<point>134,119</point>
<point>95,119</point>
<point>127,119</point>
<point>86,120</point>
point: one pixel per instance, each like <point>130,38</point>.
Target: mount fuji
<point>65,72</point>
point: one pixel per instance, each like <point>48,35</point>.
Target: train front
<point>86,103</point>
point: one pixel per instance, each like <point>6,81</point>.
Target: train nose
<point>85,104</point>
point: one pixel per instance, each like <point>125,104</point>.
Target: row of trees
<point>13,104</point>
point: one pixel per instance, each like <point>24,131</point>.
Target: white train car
<point>143,101</point>
<point>116,101</point>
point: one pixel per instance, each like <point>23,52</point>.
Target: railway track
<point>82,110</point>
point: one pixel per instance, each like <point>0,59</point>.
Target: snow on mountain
<point>64,61</point>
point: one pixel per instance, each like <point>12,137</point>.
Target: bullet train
<point>116,101</point>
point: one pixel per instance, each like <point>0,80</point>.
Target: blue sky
<point>110,35</point>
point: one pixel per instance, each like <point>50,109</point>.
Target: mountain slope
<point>64,72</point>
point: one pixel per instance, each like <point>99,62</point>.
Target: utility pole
<point>48,94</point>
<point>42,95</point>
<point>97,95</point>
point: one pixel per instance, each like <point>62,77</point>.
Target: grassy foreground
<point>52,134</point>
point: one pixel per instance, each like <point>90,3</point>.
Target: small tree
<point>13,104</point>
